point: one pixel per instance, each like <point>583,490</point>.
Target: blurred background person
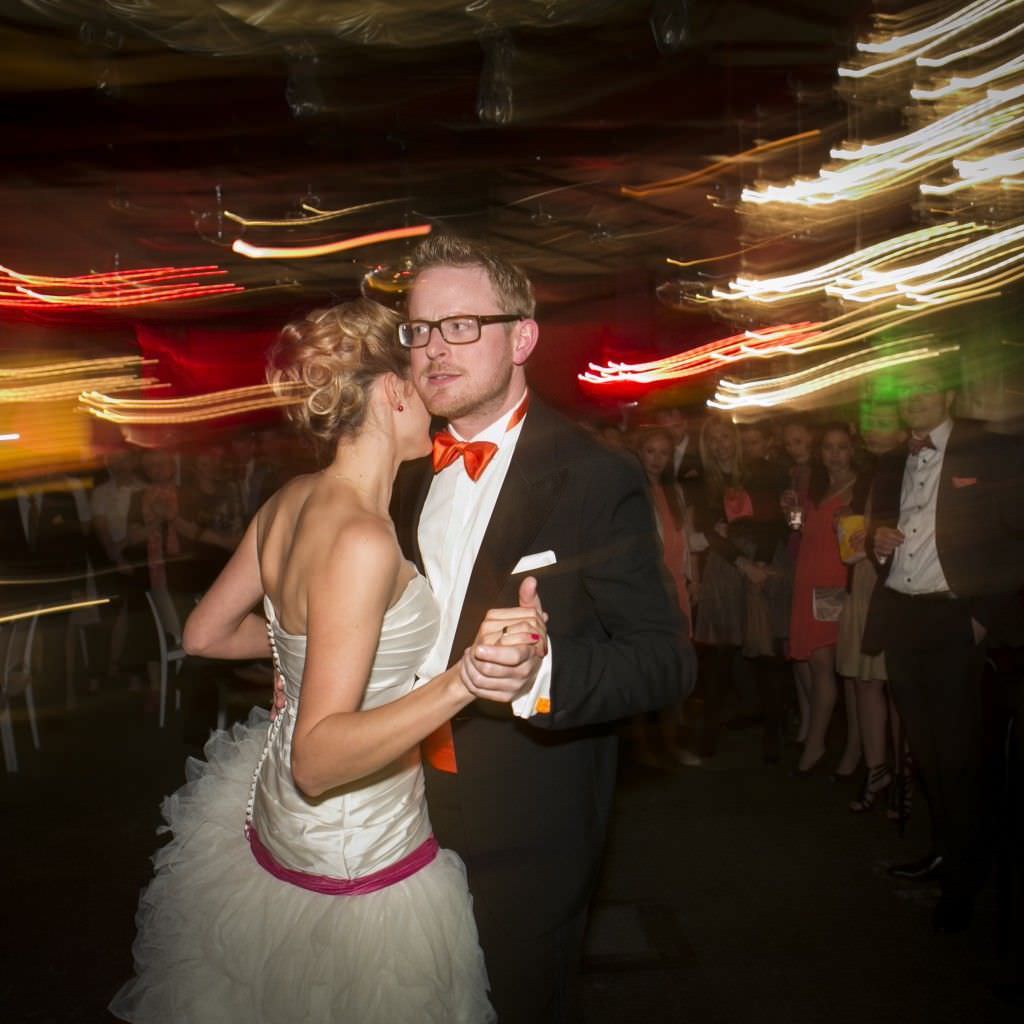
<point>211,514</point>
<point>881,432</point>
<point>686,465</point>
<point>818,587</point>
<point>947,530</point>
<point>654,448</point>
<point>764,535</point>
<point>798,447</point>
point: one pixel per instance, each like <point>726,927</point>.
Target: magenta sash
<point>408,865</point>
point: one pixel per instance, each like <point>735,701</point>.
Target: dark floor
<point>731,894</point>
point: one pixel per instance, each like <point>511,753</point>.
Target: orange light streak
<point>258,252</point>
<point>191,409</point>
<point>668,184</point>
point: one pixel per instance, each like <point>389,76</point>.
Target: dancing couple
<point>492,597</point>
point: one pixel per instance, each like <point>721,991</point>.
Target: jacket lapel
<point>415,485</point>
<point>531,487</point>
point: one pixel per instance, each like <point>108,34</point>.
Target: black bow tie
<point>918,444</point>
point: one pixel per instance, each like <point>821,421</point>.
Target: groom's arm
<point>643,659</point>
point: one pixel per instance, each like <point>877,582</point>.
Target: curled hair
<point>511,286</point>
<point>326,364</point>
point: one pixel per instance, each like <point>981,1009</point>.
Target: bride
<point>343,908</point>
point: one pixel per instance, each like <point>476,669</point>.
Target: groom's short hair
<point>511,286</point>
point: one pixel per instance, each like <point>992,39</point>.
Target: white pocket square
<point>530,562</point>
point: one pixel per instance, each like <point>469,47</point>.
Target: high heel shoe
<point>876,781</point>
<point>901,796</point>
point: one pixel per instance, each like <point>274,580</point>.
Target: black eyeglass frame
<point>481,322</point>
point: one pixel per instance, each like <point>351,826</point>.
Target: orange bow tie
<point>475,454</point>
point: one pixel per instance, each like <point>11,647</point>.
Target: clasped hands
<point>503,661</point>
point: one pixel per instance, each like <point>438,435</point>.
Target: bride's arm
<point>223,624</point>
<point>348,594</point>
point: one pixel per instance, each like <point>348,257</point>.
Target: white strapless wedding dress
<point>222,940</point>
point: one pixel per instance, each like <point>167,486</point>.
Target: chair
<point>175,654</point>
<point>17,681</point>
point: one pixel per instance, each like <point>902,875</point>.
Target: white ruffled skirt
<point>222,941</point>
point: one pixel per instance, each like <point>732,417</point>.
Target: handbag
<point>828,603</point>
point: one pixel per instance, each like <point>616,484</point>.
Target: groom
<point>523,793</point>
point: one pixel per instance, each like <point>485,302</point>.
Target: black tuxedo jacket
<point>539,791</point>
<point>979,523</point>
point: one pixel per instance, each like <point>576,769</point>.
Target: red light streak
<point>113,289</point>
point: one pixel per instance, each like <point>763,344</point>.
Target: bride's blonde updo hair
<point>327,362</point>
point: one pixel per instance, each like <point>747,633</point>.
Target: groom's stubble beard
<point>491,394</point>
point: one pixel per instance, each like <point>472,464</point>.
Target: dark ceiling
<point>128,137</point>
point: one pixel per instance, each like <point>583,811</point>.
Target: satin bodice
<point>366,825</point>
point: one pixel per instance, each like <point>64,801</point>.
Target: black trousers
<point>532,959</point>
<point>934,669</point>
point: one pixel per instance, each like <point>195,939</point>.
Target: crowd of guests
<point>876,557</point>
<point>749,517</point>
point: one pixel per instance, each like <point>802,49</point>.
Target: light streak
<point>72,366</point>
<point>53,609</point>
<point>123,288</point>
<point>944,274</point>
<point>72,388</point>
<point>785,287</point>
<point>871,167</point>
<point>668,184</point>
<point>318,216</point>
<point>960,84</point>
<point>704,358</point>
<point>977,172</point>
<point>301,252</point>
<point>10,437</point>
<point>915,45</point>
<point>192,409</point>
<point>790,388</point>
<point>49,382</point>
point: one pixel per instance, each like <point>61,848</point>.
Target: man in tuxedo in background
<point>685,456</point>
<point>524,794</point>
<point>948,533</point>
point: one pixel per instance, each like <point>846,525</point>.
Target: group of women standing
<point>783,581</point>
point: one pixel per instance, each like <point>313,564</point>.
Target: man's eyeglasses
<point>456,330</point>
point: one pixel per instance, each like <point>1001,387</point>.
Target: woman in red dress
<point>819,583</point>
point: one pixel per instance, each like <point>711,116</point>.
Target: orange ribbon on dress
<point>438,748</point>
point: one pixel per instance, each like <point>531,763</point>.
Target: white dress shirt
<point>451,529</point>
<point>915,563</point>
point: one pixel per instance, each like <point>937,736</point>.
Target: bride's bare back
<point>300,526</point>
